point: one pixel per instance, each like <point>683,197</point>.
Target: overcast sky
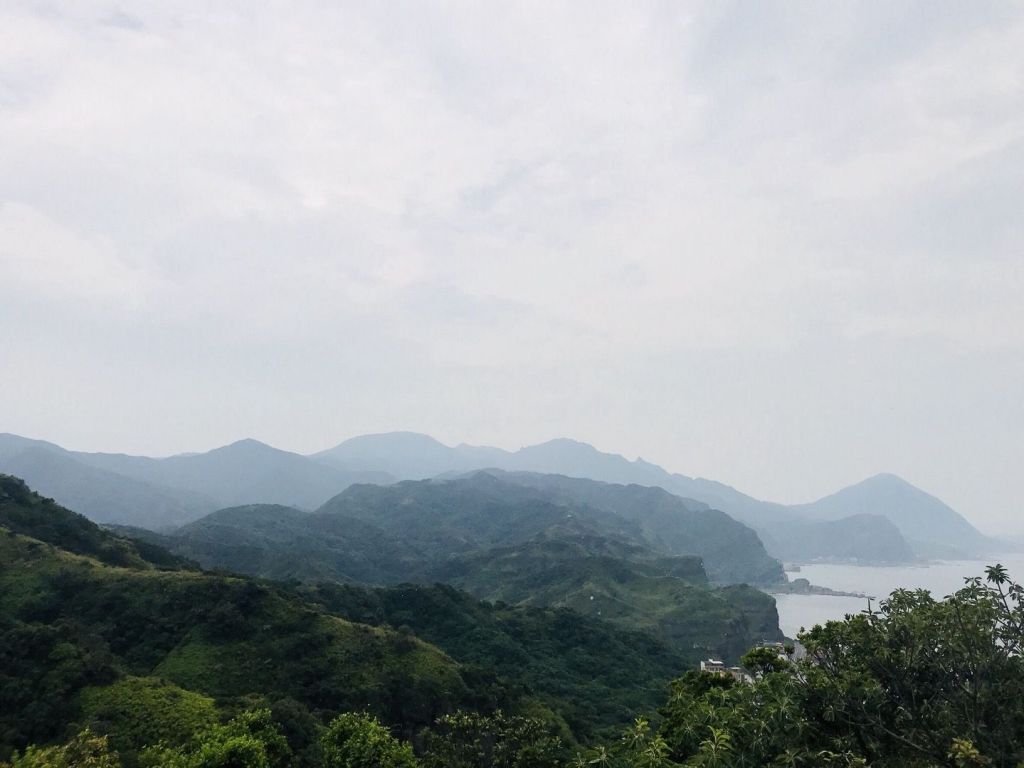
<point>779,245</point>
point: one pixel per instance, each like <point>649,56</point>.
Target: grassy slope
<point>25,512</point>
<point>68,622</point>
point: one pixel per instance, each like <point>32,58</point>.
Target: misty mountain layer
<point>895,522</point>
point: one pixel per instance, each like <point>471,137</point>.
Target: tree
<point>86,750</point>
<point>919,679</point>
<point>919,682</point>
<point>472,740</point>
<point>762,660</point>
<point>249,740</point>
<point>354,740</point>
<point>639,747</point>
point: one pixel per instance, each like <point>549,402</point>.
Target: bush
<point>86,750</point>
<point>359,741</point>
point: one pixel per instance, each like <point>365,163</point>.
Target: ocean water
<point>940,578</point>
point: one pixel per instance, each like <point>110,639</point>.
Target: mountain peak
<point>565,444</point>
<point>886,478</point>
<point>884,483</point>
<point>248,445</point>
<point>389,440</point>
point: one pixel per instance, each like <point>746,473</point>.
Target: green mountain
<point>104,631</point>
<point>25,512</point>
<point>487,509</point>
<point>628,555</point>
<point>731,552</point>
<point>409,456</point>
<point>388,534</point>
<point>74,622</point>
<point>669,597</point>
<point>277,542</point>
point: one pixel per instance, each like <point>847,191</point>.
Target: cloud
<point>39,256</point>
<point>418,215</point>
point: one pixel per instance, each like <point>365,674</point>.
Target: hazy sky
<point>780,245</point>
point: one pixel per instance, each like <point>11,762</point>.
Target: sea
<point>940,578</point>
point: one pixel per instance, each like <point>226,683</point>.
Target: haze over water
<point>940,578</point>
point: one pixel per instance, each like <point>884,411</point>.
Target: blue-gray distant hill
<point>931,527</point>
<point>166,492</point>
<point>860,538</point>
<point>898,522</point>
<point>919,524</point>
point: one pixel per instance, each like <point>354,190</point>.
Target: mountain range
<point>927,526</point>
<point>119,635</point>
<point>893,521</point>
<point>634,556</point>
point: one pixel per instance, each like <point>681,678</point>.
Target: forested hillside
<point>99,630</point>
<point>411,525</point>
<point>115,654</point>
<point>629,555</point>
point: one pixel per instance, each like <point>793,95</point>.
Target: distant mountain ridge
<point>162,494</point>
<point>930,526</point>
<point>927,526</point>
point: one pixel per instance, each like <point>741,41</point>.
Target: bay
<point>939,578</point>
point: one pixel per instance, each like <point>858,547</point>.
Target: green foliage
<point>300,729</point>
<point>250,740</point>
<point>68,623</point>
<point>764,660</point>
<point>356,740</point>
<point>918,683</point>
<point>639,747</point>
<point>909,680</point>
<point>26,512</point>
<point>140,711</point>
<point>472,740</point>
<point>594,675</point>
<point>86,750</point>
<point>751,724</point>
<point>41,669</point>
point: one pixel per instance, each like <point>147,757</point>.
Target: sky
<point>780,245</point>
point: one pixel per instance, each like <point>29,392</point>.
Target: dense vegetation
<point>25,512</point>
<point>920,683</point>
<point>84,642</point>
<point>667,597</point>
<point>390,534</point>
<point>630,555</point>
<point>112,656</point>
<point>69,623</point>
<point>592,674</point>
